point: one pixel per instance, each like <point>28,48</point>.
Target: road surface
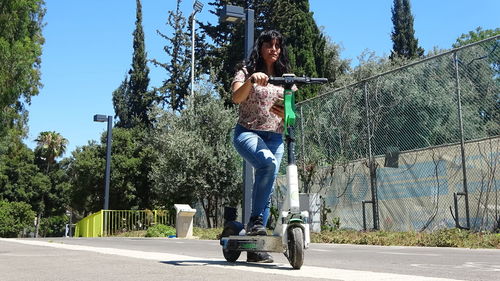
<point>182,259</point>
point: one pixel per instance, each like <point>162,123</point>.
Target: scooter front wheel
<point>296,247</point>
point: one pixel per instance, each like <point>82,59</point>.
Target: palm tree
<point>50,145</point>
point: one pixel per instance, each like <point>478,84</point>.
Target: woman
<point>258,134</point>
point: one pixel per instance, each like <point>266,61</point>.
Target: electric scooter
<point>291,235</point>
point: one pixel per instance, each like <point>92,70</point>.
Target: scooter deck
<point>253,243</point>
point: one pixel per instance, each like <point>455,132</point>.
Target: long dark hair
<point>255,63</point>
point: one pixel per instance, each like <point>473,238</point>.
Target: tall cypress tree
<point>405,45</point>
<point>141,100</point>
<point>132,100</point>
<point>306,44</point>
<point>121,105</point>
<point>176,88</point>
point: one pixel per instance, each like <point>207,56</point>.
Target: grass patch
<point>207,233</point>
<point>138,233</point>
<point>160,230</point>
<point>440,238</point>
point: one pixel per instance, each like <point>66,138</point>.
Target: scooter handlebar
<point>291,79</point>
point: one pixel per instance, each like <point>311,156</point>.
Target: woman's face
<point>270,51</point>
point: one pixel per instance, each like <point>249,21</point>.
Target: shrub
<point>14,218</point>
<point>54,226</point>
<point>160,230</point>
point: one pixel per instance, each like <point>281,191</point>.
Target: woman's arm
<point>241,90</point>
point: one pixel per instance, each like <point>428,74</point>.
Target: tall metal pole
<point>462,142</point>
<point>249,31</point>
<point>108,162</point>
<point>197,7</point>
<point>248,172</point>
<point>192,57</point>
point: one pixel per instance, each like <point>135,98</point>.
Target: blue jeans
<point>264,151</point>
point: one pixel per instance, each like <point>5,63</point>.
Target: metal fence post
<point>462,145</point>
<point>371,164</point>
<point>302,147</point>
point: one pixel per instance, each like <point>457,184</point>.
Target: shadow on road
<point>225,263</point>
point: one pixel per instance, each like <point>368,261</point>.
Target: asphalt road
<point>181,259</point>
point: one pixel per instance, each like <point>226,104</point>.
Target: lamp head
<point>230,13</point>
<point>100,118</point>
<point>197,6</point>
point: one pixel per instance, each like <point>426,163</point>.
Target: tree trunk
<point>207,215</point>
<point>39,217</point>
<point>216,213</point>
<point>37,227</point>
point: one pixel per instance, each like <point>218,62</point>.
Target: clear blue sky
<point>88,48</point>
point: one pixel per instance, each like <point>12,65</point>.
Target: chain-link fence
<point>416,148</point>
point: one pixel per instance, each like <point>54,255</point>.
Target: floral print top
<point>254,113</point>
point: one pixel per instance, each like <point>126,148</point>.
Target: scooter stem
<point>292,176</point>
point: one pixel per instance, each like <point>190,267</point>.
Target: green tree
<point>85,170</point>
<point>21,43</point>
<point>476,35</point>
<point>404,43</point>
<point>131,100</point>
<point>131,163</point>
<point>479,72</point>
<point>194,159</point>
<point>335,68</point>
<point>175,88</point>
<point>480,66</point>
<point>20,179</point>
<point>15,217</point>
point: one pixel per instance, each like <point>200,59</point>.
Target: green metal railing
<point>114,222</point>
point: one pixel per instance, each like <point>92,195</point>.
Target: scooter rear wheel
<point>230,255</point>
<point>296,247</point>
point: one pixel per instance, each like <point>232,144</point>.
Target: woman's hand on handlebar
<point>259,78</point>
<point>241,90</point>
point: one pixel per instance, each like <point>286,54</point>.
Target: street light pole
<point>197,7</point>
<point>249,31</point>
<point>108,162</point>
<point>248,173</point>
<point>231,13</point>
<point>192,55</point>
<point>109,119</point>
